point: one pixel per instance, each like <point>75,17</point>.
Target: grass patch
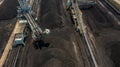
<point>115,4</point>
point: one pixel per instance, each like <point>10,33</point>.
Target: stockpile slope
<point>8,9</point>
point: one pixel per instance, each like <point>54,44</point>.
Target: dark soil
<point>8,9</point>
<point>6,28</point>
<point>7,21</point>
<point>106,35</point>
<point>51,14</point>
<point>60,52</point>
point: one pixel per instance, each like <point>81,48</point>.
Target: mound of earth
<point>8,9</point>
<point>60,52</point>
<point>50,14</point>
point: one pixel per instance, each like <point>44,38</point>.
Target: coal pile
<point>106,35</point>
<point>51,14</point>
<point>110,40</point>
<point>8,9</point>
<point>60,52</point>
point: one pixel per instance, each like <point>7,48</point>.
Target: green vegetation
<point>115,4</point>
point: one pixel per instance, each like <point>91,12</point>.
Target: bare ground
<point>107,36</point>
<point>7,21</point>
<point>8,9</point>
<point>60,52</point>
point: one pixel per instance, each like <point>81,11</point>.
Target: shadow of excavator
<point>40,44</point>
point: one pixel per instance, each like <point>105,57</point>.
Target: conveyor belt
<point>83,31</point>
<point>25,10</point>
<point>37,31</point>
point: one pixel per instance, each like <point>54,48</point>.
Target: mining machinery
<point>25,12</point>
